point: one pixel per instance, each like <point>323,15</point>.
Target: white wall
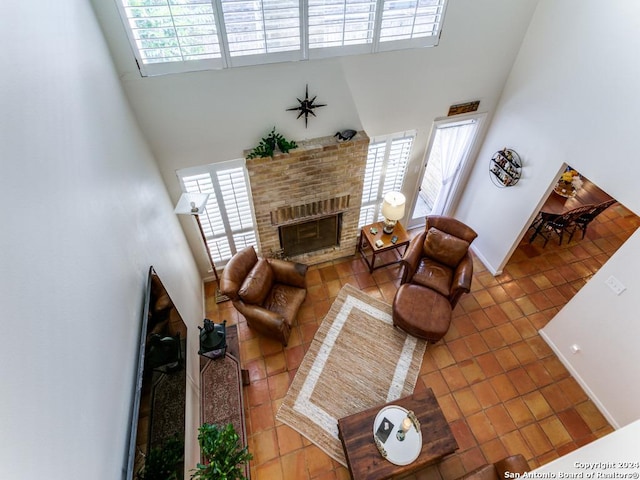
<point>204,117</point>
<point>605,327</point>
<point>84,213</point>
<point>573,97</point>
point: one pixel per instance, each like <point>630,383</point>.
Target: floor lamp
<point>194,204</point>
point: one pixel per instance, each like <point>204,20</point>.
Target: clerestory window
<point>170,36</point>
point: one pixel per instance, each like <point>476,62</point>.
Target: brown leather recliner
<point>505,468</point>
<point>438,258</point>
<point>268,292</point>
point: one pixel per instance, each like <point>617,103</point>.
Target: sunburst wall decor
<point>306,106</point>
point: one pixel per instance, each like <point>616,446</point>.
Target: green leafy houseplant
<point>268,144</point>
<point>164,462</point>
<point>220,447</point>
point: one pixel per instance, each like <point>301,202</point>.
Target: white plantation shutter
<point>341,23</point>
<point>397,160</point>
<point>171,36</point>
<point>234,190</point>
<point>386,168</point>
<point>417,21</point>
<point>173,32</point>
<point>371,184</point>
<point>228,221</point>
<point>260,27</point>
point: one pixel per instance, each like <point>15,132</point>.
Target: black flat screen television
<point>157,427</point>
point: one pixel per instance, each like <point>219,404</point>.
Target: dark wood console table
<point>221,382</point>
<point>363,457</point>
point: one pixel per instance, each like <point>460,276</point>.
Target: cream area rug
<point>356,360</point>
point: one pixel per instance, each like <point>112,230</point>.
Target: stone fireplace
<point>307,202</point>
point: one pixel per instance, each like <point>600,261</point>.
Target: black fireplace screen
<point>311,235</point>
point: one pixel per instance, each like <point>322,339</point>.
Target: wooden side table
<point>368,241</point>
<point>363,457</point>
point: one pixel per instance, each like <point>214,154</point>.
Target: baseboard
<point>580,380</point>
<point>494,271</point>
<point>209,278</point>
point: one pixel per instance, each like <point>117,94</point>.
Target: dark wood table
<point>588,194</point>
<point>363,457</point>
<point>368,241</point>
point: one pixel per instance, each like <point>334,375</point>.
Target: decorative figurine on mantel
<point>345,135</point>
<point>306,106</point>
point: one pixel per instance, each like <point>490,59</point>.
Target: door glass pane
<point>449,149</point>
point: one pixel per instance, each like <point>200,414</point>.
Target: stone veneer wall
<point>318,170</point>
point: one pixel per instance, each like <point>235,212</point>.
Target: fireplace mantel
<point>321,175</point>
<point>309,211</point>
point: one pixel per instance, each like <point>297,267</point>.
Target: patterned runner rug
<point>356,360</point>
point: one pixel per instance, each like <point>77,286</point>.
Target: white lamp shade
<point>393,206</point>
<point>192,203</point>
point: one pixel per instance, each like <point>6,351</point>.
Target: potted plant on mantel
<point>221,450</point>
<point>268,144</point>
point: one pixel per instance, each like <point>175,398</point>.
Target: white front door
<point>447,158</point>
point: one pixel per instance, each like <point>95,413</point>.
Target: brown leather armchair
<point>438,258</point>
<point>268,292</point>
<point>505,468</point>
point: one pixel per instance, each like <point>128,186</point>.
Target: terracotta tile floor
<point>501,387</point>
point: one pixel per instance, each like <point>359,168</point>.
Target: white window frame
<point>217,219</point>
<point>380,15</point>
<point>378,171</point>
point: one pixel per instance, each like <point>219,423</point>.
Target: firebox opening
<point>310,236</point>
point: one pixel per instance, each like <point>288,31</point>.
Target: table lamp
<point>392,210</point>
<point>192,203</point>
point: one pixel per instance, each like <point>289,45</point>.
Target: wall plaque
<point>463,108</point>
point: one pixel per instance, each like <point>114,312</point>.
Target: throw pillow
<point>444,248</point>
<point>258,283</point>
